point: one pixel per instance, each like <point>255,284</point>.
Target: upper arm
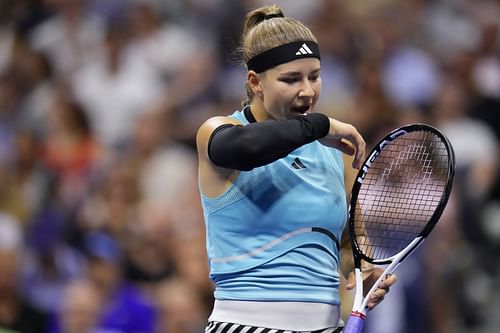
<point>213,180</point>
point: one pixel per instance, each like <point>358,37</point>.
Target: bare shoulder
<point>214,122</point>
<point>213,180</point>
<point>206,129</point>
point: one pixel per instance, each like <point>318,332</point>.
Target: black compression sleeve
<point>246,147</point>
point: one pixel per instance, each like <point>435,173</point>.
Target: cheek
<point>275,96</point>
<point>317,90</point>
<point>286,93</point>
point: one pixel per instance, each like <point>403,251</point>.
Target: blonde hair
<point>266,28</point>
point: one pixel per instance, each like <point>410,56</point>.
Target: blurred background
<point>101,228</point>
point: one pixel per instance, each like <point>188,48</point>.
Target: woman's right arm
<point>260,143</point>
<point>225,146</point>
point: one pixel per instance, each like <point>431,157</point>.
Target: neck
<point>258,110</point>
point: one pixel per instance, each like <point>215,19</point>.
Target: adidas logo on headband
<point>283,53</point>
<point>304,50</point>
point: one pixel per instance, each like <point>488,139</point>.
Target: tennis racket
<point>397,198</point>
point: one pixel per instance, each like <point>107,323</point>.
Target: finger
<point>388,281</point>
<point>378,293</point>
<point>374,302</point>
<point>345,148</point>
<point>375,298</point>
<point>360,145</point>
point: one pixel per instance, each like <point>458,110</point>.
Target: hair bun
<point>259,15</point>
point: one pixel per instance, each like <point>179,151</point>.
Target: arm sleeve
<point>247,147</point>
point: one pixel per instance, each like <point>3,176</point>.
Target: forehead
<point>305,65</point>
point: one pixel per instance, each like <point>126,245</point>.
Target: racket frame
<point>359,308</point>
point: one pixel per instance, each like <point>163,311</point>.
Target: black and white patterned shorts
<point>219,327</point>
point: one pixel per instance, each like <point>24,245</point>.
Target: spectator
<point>70,38</point>
<point>125,308</point>
<point>115,88</point>
<point>81,308</point>
<point>70,149</point>
<point>180,309</point>
<point>15,312</point>
<point>49,262</point>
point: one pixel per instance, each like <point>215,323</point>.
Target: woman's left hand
<point>369,278</point>
<point>347,139</point>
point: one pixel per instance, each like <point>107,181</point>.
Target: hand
<point>347,139</point>
<point>369,278</point>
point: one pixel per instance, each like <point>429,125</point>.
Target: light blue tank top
<point>273,234</point>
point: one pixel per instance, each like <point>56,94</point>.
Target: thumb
<point>351,281</point>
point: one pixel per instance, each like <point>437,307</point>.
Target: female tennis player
<point>271,177</point>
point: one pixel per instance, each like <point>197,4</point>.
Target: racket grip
<point>355,323</point>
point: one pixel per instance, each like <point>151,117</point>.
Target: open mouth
<point>303,110</point>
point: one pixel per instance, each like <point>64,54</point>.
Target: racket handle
<point>355,322</point>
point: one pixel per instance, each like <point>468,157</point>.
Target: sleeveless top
<point>273,235</point>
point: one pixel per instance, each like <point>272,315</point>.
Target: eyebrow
<point>296,73</point>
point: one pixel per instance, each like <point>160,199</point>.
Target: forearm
<point>346,258</point>
<point>257,144</point>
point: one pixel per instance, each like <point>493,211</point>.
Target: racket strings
<point>400,193</point>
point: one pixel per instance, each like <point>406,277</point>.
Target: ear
<point>254,82</point>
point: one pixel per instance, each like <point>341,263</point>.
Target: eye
<point>289,80</point>
<point>314,77</point>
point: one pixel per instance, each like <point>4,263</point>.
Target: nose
<point>306,90</point>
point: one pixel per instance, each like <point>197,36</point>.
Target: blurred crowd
<point>101,228</point>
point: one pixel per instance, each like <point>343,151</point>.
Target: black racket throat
<point>400,192</point>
